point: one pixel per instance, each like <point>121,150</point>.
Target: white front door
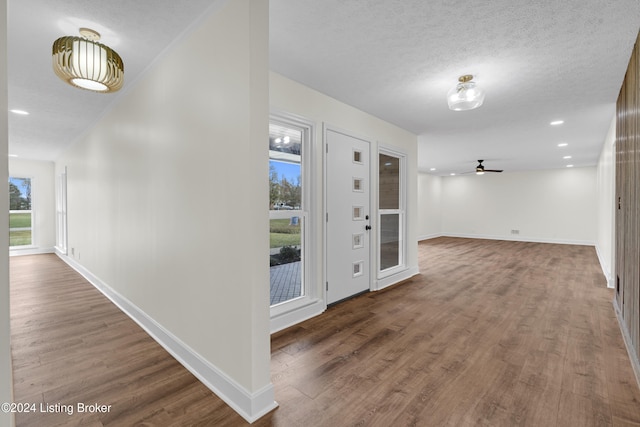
<point>348,216</point>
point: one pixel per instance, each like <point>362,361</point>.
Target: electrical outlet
<point>515,231</point>
<point>73,251</point>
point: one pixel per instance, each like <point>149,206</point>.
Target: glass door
<point>391,213</point>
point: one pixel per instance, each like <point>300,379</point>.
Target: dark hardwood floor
<point>491,333</point>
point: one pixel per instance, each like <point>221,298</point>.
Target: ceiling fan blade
<point>480,169</point>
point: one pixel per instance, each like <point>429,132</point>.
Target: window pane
<point>389,240</point>
<point>285,259</point>
<point>19,194</point>
<point>389,182</point>
<point>286,219</point>
<point>285,172</point>
<point>20,216</point>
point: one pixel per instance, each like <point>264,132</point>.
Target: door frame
<point>381,275</point>
<point>373,211</point>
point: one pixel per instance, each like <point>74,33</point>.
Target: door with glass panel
<point>391,213</point>
<point>348,215</point>
<point>287,216</point>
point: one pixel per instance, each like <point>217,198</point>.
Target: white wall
<point>429,206</point>
<point>44,202</point>
<point>6,379</point>
<point>556,205</point>
<point>291,97</point>
<point>606,180</point>
<point>167,203</point>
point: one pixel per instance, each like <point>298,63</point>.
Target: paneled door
<point>348,215</point>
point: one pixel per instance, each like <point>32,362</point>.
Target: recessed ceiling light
<point>453,174</point>
<point>13,155</point>
<point>432,169</point>
<point>556,122</point>
<point>566,157</point>
<point>562,144</point>
<point>21,112</point>
<point>569,166</point>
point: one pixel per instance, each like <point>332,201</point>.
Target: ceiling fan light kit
<point>465,95</point>
<point>480,170</point>
<point>85,63</point>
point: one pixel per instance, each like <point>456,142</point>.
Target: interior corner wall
<point>553,206</point>
<point>167,203</point>
<point>44,202</point>
<point>294,98</point>
<point>6,378</point>
<point>429,206</point>
<point>605,205</point>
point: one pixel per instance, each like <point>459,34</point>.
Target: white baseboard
<point>251,406</point>
<point>605,269</point>
<point>522,239</point>
<point>429,236</point>
<point>633,357</point>
<point>31,251</point>
<point>396,278</point>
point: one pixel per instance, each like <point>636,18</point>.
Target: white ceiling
<point>396,59</point>
<point>138,30</point>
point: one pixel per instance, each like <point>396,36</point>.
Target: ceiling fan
<point>481,170</point>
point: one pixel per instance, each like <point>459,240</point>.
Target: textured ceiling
<point>396,59</point>
<point>537,60</point>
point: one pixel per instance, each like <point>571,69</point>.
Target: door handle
<point>367,227</point>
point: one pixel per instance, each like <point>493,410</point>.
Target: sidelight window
<point>287,210</point>
<point>391,211</point>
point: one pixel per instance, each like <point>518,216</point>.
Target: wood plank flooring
<point>71,345</point>
<point>491,333</point>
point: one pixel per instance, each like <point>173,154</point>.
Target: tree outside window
<point>20,214</point>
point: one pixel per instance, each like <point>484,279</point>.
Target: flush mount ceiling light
<point>87,64</point>
<point>466,95</point>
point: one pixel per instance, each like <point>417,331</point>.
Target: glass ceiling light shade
<point>465,95</point>
<point>87,64</point>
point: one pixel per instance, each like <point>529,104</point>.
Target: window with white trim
<point>289,222</point>
<point>20,213</point>
<point>391,213</point>
<point>61,212</point>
